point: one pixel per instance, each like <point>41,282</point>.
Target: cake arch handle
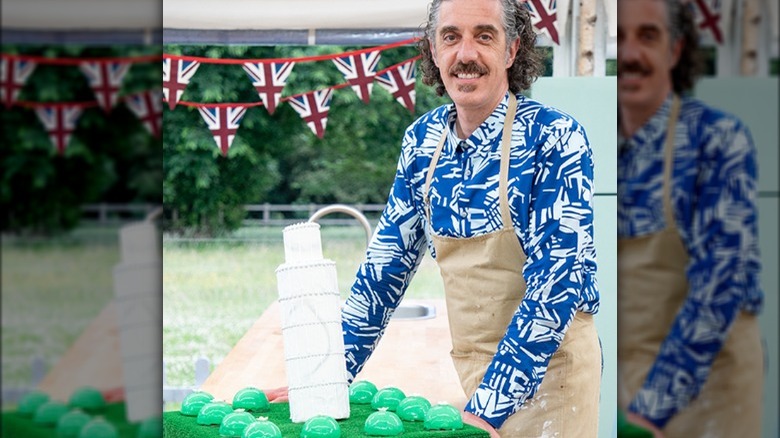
<point>341,208</point>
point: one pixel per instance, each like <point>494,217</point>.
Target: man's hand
<point>114,395</point>
<point>477,422</point>
<point>643,422</point>
<point>277,394</point>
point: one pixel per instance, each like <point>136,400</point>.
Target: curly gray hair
<point>517,25</point>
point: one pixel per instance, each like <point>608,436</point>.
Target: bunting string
<point>104,75</point>
<point>299,60</point>
<point>60,118</point>
<point>223,119</point>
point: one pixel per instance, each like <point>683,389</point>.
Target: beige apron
<point>651,289</point>
<point>483,285</point>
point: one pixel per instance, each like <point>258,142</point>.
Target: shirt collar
<point>486,132</point>
<point>654,128</point>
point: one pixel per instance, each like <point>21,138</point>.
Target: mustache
<point>469,68</point>
<point>633,67</point>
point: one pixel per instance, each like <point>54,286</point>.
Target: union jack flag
<point>13,75</point>
<point>359,71</point>
<point>177,73</point>
<point>105,79</point>
<point>400,81</point>
<point>269,90</point>
<point>59,121</point>
<point>313,108</point>
<point>543,17</point>
<point>708,17</point>
<point>147,107</point>
<point>223,122</point>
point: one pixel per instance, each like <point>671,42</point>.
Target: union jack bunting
<point>147,107</point>
<point>105,79</point>
<point>400,81</point>
<point>13,76</point>
<point>543,17</point>
<point>177,73</point>
<point>708,17</point>
<point>223,123</point>
<point>313,108</point>
<point>59,121</point>
<point>359,71</point>
<point>269,79</point>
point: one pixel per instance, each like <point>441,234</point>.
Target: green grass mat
<point>15,425</point>
<point>176,425</point>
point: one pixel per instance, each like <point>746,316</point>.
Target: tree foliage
<point>111,157</point>
<point>276,158</point>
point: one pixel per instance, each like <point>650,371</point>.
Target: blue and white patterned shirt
<point>550,199</point>
<point>713,195</point>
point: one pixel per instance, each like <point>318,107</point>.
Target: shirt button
<point>463,214</point>
<point>467,174</point>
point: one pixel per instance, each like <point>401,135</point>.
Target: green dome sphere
<point>213,413</point>
<point>98,428</point>
<point>70,424</point>
<point>413,408</point>
<point>150,428</point>
<point>194,401</point>
<point>321,426</point>
<point>443,417</point>
<point>387,398</point>
<point>234,423</point>
<point>262,428</point>
<point>31,402</point>
<point>49,413</point>
<point>362,392</point>
<point>88,399</point>
<point>383,423</point>
<point>251,399</point>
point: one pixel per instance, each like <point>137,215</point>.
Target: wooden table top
<point>413,355</point>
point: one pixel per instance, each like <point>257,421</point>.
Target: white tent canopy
<point>239,21</point>
<point>293,14</point>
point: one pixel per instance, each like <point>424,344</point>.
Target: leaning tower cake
<point>311,327</point>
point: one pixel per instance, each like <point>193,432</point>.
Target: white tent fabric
<point>232,15</point>
<point>81,14</point>
<point>774,19</point>
<point>293,14</point>
<point>611,7</point>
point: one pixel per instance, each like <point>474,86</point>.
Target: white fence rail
<point>279,214</point>
<point>256,214</point>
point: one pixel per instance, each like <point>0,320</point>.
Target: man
<point>689,353</point>
<point>499,189</point>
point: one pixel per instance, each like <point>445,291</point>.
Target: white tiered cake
<point>311,327</point>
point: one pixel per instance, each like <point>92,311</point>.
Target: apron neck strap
<point>669,160</point>
<point>503,176</point>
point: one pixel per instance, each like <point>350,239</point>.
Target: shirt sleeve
<point>723,268</point>
<point>558,242</point>
<point>393,256</point>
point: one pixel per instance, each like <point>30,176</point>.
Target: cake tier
<point>295,280</point>
<point>302,242</point>
<point>308,402</point>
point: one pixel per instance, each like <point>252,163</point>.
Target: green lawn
<point>214,290</point>
<point>51,290</point>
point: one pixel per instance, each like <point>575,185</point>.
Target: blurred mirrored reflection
<point>697,217</point>
<point>81,190</point>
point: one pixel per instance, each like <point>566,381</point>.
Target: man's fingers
<point>277,394</point>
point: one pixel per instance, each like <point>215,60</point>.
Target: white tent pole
<point>587,31</point>
<point>751,25</point>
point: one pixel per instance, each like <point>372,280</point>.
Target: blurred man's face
<point>646,54</point>
<point>471,53</point>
